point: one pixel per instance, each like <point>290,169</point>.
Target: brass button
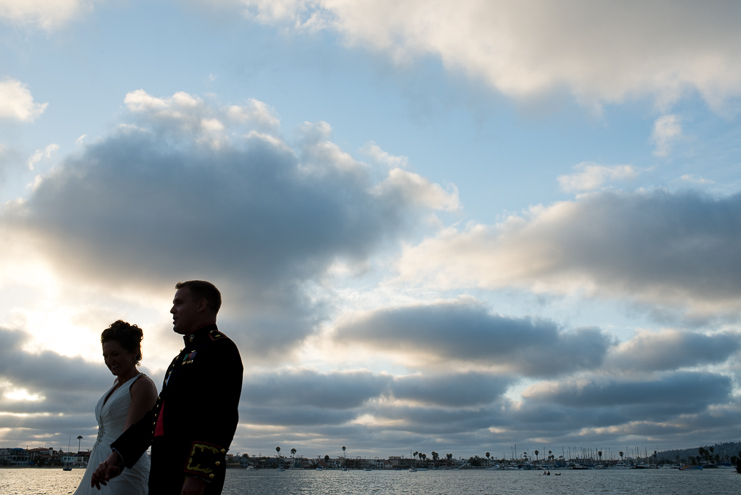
<point>210,475</point>
<point>223,451</point>
<point>217,463</point>
<point>154,424</point>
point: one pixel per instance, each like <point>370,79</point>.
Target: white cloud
<point>44,13</point>
<point>255,111</point>
<point>16,102</point>
<point>599,52</point>
<point>412,187</point>
<point>697,179</point>
<point>667,130</point>
<point>191,115</point>
<point>374,151</point>
<point>591,176</point>
<point>655,247</point>
<point>41,153</point>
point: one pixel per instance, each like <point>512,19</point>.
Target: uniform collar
<point>199,334</point>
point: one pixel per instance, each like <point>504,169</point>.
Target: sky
<point>436,226</point>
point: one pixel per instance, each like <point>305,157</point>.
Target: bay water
<point>41,481</point>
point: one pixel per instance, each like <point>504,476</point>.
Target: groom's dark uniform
<point>195,417</point>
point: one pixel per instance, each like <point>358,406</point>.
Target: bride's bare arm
<point>143,396</point>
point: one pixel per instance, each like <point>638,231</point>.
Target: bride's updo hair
<point>127,335</point>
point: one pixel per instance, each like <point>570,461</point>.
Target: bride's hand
<point>110,468</point>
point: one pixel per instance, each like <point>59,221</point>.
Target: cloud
<point>672,350</point>
<point>41,153</point>
<point>456,390</point>
<point>188,192</point>
<point>592,176</point>
<point>599,53</point>
<point>302,388</point>
<point>667,130</point>
<point>16,102</point>
<point>697,179</point>
<point>374,151</point>
<point>42,13</point>
<point>658,398</point>
<point>403,186</point>
<point>190,116</point>
<point>464,332</point>
<point>65,390</point>
<point>678,250</point>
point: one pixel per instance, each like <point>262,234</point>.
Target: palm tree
<point>621,455</point>
<point>79,439</point>
<point>487,458</point>
<point>536,455</point>
<point>293,458</point>
<point>344,458</point>
<point>599,453</point>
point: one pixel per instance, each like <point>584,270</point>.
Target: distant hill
<point>725,450</point>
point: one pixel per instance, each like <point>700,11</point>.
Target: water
<point>465,482</point>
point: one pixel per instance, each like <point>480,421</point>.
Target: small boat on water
<point>67,468</point>
<point>687,467</point>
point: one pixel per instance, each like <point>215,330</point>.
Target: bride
<point>130,397</point>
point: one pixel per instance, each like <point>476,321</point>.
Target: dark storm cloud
<point>466,331</point>
<point>672,349</point>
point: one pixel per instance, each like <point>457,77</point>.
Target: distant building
<point>44,456</point>
<point>14,457</point>
<point>79,459</point>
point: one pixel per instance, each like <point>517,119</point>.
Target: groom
<point>195,417</point>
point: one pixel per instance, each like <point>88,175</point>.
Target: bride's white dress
<point>111,418</point>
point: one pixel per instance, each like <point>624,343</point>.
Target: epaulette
<point>216,335</point>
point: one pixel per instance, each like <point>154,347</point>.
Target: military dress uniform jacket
<point>195,417</point>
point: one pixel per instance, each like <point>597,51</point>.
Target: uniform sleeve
<point>214,407</point>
